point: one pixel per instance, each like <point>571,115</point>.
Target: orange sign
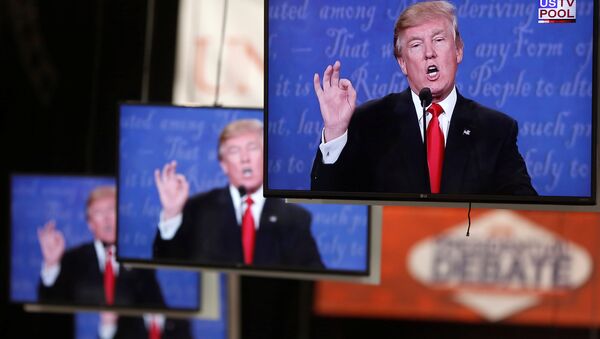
<point>515,267</point>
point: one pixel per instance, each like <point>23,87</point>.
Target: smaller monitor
<point>62,238</point>
<point>185,176</point>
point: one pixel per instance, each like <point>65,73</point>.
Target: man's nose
<point>429,50</point>
<point>244,156</point>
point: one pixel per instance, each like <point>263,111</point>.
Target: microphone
<point>242,191</point>
<point>425,96</point>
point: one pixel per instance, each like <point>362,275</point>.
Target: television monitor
<point>171,156</point>
<point>518,61</point>
<point>88,325</point>
<point>74,217</point>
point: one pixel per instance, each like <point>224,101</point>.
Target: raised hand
<point>337,100</point>
<point>52,243</point>
<point>173,189</point>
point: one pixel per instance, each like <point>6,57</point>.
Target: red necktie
<point>154,330</point>
<point>248,233</point>
<point>109,279</point>
<point>435,148</point>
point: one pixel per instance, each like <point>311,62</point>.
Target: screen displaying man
<point>89,274</point>
<point>379,146</point>
<point>233,224</point>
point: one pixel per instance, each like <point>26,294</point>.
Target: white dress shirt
<point>332,149</point>
<point>168,228</point>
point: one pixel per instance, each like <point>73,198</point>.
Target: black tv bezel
<point>428,199</point>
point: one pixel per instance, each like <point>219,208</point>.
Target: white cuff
<point>49,274</point>
<point>332,149</point>
<point>169,227</point>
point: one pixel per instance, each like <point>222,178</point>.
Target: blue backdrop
<point>86,324</point>
<point>37,199</point>
<point>150,136</point>
<point>540,74</point>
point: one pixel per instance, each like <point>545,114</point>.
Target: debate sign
<point>503,270</point>
<point>532,268</point>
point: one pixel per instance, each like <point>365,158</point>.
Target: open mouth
<point>246,172</point>
<point>432,72</point>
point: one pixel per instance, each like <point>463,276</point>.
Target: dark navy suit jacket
<point>210,234</point>
<point>385,152</point>
<point>135,328</point>
<point>81,282</point>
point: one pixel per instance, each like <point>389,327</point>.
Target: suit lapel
<point>94,293</point>
<point>225,200</point>
<point>458,147</point>
<point>266,246</point>
<point>230,235</point>
<point>410,146</point>
<point>268,214</point>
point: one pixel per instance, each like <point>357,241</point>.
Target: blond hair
<point>237,128</point>
<point>421,12</point>
<point>98,193</point>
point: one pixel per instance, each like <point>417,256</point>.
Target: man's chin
<point>108,243</point>
<point>252,186</point>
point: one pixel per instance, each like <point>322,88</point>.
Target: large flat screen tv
<point>184,176</point>
<point>62,227</point>
<point>516,82</point>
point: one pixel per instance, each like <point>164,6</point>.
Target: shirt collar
<point>447,104</point>
<point>257,197</point>
<point>101,255</point>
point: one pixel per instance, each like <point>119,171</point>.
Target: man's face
<point>430,57</point>
<point>102,219</point>
<point>242,160</point>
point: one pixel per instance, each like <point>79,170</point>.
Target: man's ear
<point>459,53</point>
<point>402,64</point>
<point>223,167</point>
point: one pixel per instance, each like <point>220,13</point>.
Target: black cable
<point>220,64</point>
<point>469,218</point>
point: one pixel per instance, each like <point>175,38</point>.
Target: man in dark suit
<point>141,328</point>
<point>88,274</point>
<point>378,147</point>
<point>233,225</point>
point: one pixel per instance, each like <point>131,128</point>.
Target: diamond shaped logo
<point>503,268</point>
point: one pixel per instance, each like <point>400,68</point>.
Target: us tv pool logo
<point>557,11</point>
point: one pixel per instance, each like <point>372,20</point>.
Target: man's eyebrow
<point>414,38</point>
<point>437,32</point>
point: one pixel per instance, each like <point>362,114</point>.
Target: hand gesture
<point>52,243</point>
<point>173,189</point>
<point>337,100</point>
